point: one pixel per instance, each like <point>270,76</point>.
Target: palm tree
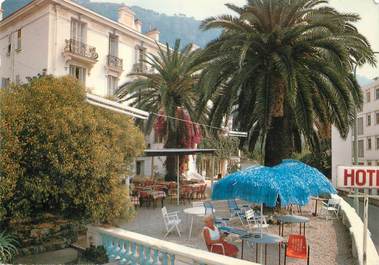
<point>172,90</point>
<point>281,66</point>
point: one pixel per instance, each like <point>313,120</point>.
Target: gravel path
<point>329,240</point>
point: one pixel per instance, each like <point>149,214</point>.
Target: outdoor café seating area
<point>325,235</point>
<point>150,192</point>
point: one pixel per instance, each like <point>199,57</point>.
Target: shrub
<point>61,155</point>
<point>96,254</point>
<point>7,247</point>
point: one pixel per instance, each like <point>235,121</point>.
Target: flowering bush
<point>61,155</point>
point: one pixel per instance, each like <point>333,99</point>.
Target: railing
<point>354,223</point>
<point>140,68</point>
<point>80,48</point>
<point>115,62</point>
<point>132,248</point>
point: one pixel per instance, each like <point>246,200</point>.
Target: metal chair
<point>211,246</point>
<point>235,211</point>
<point>297,248</point>
<point>171,221</point>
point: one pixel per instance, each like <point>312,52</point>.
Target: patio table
<point>259,238</point>
<point>155,195</point>
<point>292,219</point>
<point>195,211</point>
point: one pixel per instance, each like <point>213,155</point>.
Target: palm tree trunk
<point>171,164</point>
<point>279,141</point>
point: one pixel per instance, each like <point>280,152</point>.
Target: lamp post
<point>355,143</point>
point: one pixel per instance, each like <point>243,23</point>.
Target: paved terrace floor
<point>329,240</point>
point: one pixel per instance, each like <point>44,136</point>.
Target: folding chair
<point>332,207</point>
<point>171,221</point>
<point>235,211</point>
<point>297,248</point>
<point>211,246</point>
<point>254,220</point>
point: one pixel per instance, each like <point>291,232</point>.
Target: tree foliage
<point>61,155</point>
<point>282,66</point>
<point>170,88</point>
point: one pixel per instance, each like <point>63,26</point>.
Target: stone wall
<point>45,234</point>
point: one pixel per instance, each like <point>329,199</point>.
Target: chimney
<point>1,14</point>
<point>126,17</point>
<point>138,25</point>
<point>154,34</point>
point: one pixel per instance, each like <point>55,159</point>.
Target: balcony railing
<point>140,68</point>
<point>82,49</point>
<point>114,62</point>
<point>132,248</point>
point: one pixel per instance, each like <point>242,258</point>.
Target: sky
<point>200,9</point>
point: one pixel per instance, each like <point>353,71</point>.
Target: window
<point>361,148</point>
<point>112,84</point>
<point>360,126</point>
<point>377,142</point>
<point>113,45</point>
<point>369,145</point>
<point>78,31</point>
<point>368,96</point>
<point>376,93</point>
<point>79,73</point>
<point>5,82</point>
<point>18,79</point>
<point>377,162</point>
<point>18,48</point>
<point>377,118</point>
<point>139,168</point>
<point>368,119</point>
<point>369,163</point>
<point>9,48</point>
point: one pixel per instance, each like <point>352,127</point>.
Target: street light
<point>355,149</point>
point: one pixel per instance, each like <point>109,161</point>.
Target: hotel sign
<point>358,177</point>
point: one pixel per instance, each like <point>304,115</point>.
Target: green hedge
<point>58,154</point>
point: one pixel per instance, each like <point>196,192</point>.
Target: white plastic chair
<point>254,220</point>
<point>171,221</point>
<point>331,208</point>
<point>197,204</point>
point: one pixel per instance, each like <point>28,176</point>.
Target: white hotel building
<point>60,37</point>
<point>368,134</point>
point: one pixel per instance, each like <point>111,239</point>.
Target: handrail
<point>111,238</point>
<point>114,61</point>
<point>80,48</point>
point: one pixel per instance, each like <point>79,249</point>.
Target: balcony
<point>79,52</point>
<point>140,68</point>
<point>114,65</point>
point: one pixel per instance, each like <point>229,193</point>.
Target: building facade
<point>60,37</point>
<point>367,131</point>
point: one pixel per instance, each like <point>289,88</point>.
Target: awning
<point>177,152</point>
<point>117,107</point>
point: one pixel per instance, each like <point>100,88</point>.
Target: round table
<point>196,211</point>
<point>291,219</point>
<point>259,238</point>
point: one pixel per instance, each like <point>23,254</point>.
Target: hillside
<point>171,27</point>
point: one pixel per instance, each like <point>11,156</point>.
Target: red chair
<point>297,248</point>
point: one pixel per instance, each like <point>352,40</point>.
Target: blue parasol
<point>291,182</point>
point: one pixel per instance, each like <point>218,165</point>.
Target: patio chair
<point>198,204</point>
<point>235,211</point>
<point>297,248</point>
<point>331,208</point>
<point>171,221</point>
<point>212,246</point>
<point>209,209</point>
<point>203,190</point>
<point>254,220</point>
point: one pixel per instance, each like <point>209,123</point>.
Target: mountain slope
<point>171,27</point>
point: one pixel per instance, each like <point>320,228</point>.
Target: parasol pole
<point>261,222</point>
<point>178,180</point>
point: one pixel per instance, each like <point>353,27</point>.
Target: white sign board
<point>358,177</point>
